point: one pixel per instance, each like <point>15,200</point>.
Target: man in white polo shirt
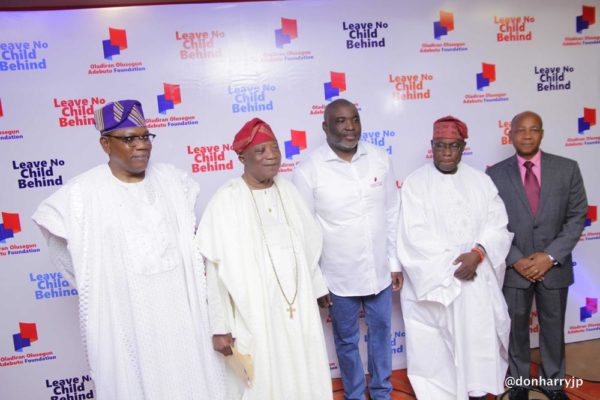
<point>350,187</point>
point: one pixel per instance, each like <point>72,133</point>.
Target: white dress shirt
<point>356,203</point>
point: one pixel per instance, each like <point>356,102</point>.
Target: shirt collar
<point>536,159</point>
<point>330,155</point>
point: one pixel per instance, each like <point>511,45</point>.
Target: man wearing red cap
<point>452,243</point>
<point>261,249</point>
<point>122,232</point>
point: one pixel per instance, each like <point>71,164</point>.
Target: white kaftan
<point>289,355</point>
<point>142,290</point>
<point>456,331</point>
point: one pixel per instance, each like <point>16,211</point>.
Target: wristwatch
<point>554,262</point>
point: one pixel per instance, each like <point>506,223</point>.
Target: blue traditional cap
<point>119,115</point>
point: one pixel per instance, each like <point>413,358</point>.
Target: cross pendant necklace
<point>291,311</point>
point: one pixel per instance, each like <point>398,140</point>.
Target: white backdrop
<point>201,71</point>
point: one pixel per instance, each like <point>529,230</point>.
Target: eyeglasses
<point>134,139</point>
<point>454,147</point>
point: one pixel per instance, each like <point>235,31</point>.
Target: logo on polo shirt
<point>588,120</point>
<point>591,307</point>
<point>1,112</point>
<point>335,86</point>
<point>441,28</point>
<point>587,18</point>
<point>22,56</point>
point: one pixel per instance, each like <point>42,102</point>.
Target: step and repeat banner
<point>202,71</point>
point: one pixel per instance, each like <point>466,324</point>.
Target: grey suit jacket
<point>559,222</point>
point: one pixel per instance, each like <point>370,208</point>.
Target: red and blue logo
<point>171,96</point>
<point>10,225</point>
<point>288,31</point>
<point>444,25</point>
<point>27,334</point>
<point>116,43</point>
<point>1,112</point>
<point>591,307</point>
<point>592,216</point>
<point>587,121</point>
<point>296,144</point>
<point>335,86</point>
<point>587,18</point>
<point>486,76</point>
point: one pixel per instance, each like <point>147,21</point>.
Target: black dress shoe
<point>555,394</point>
<point>518,393</point>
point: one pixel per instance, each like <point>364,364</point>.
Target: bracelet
<point>479,253</point>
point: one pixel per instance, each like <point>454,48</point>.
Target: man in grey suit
<point>546,204</point>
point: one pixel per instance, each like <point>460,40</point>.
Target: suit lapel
<point>514,175</point>
<point>547,173</point>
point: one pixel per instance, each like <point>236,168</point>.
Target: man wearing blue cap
<point>122,233</point>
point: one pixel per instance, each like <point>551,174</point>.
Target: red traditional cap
<point>255,131</point>
<point>450,128</point>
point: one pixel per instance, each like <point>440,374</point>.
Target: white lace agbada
<point>142,290</point>
<point>456,331</point>
<point>290,359</point>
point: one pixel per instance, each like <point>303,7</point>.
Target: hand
<point>538,264</point>
<point>520,265</point>
<point>325,301</point>
<point>469,262</point>
<point>397,281</point>
<point>223,343</point>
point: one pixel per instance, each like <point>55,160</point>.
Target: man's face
<point>262,161</point>
<point>127,161</point>
<point>342,128</point>
<point>447,153</point>
<point>526,133</point>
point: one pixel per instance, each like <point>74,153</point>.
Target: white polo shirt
<point>357,204</point>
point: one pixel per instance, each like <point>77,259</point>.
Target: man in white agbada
<point>261,249</point>
<point>123,233</point>
<point>452,243</point>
